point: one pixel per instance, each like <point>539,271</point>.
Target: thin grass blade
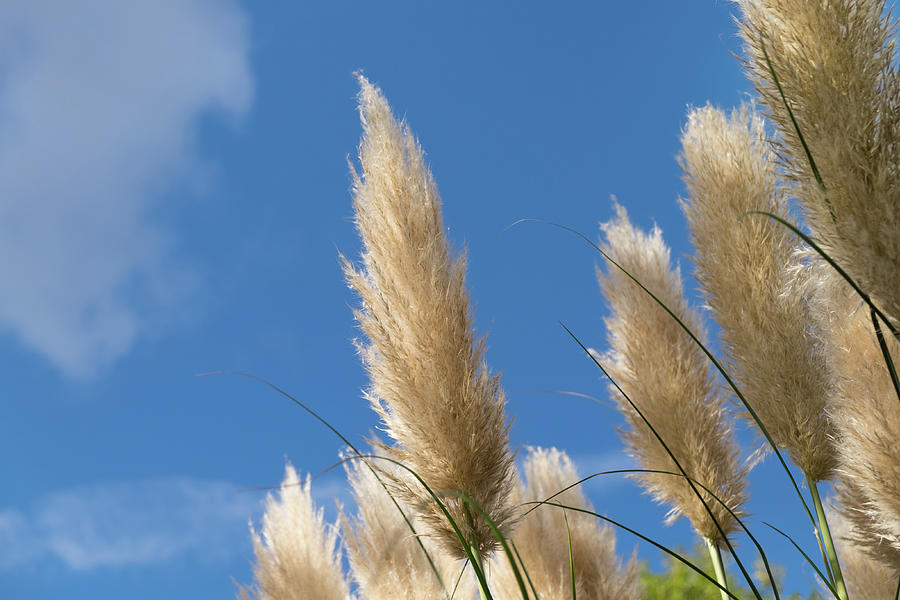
<point>571,556</point>
<point>808,560</point>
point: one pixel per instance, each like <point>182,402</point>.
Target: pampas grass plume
<point>429,381</point>
<point>542,540</point>
<point>667,376</point>
<point>741,265</point>
<point>297,555</point>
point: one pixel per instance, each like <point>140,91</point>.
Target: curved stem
<point>828,541</point>
<point>716,555</point>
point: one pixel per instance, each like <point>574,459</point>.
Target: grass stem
<point>716,555</point>
<point>483,592</point>
<point>828,541</point>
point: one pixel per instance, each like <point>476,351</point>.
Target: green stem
<point>828,541</point>
<point>484,593</point>
<point>477,564</point>
<point>716,555</point>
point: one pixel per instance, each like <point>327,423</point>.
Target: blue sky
<point>174,192</point>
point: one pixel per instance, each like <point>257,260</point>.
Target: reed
<point>430,385</point>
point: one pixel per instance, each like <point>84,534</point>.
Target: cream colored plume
<point>542,540</point>
<point>297,556</point>
<point>386,560</point>
<point>667,376</point>
<point>866,414</point>
<point>835,62</point>
<point>740,263</point>
<point>429,381</point>
<point>866,578</point>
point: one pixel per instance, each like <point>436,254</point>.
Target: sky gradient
<point>174,192</point>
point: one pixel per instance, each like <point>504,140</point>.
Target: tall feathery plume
<point>298,557</point>
<point>834,60</point>
<point>741,266</point>
<point>429,381</point>
<point>667,376</point>
<point>542,541</point>
<point>866,413</point>
<point>866,578</point>
<point>387,562</point>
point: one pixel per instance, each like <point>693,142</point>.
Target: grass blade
<point>759,548</point>
<point>812,163</point>
<point>808,560</point>
<point>886,353</point>
<point>571,555</point>
<point>500,538</point>
<point>527,576</point>
<point>668,551</point>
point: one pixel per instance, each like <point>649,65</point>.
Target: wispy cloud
<point>98,100</point>
<point>139,523</point>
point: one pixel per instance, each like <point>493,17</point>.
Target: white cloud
<point>98,101</point>
<point>138,523</point>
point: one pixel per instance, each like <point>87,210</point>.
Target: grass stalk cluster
<point>807,316</point>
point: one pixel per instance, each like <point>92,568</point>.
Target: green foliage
<point>678,582</point>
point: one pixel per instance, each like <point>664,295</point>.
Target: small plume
<point>429,381</point>
<point>741,265</point>
<point>386,559</point>
<point>298,557</point>
<point>667,376</point>
<point>542,540</point>
<point>835,62</point>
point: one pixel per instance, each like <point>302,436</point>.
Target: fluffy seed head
<point>835,62</point>
<point>429,381</point>
<point>297,556</point>
<point>741,265</point>
<point>542,540</point>
<point>667,376</point>
<point>385,558</point>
